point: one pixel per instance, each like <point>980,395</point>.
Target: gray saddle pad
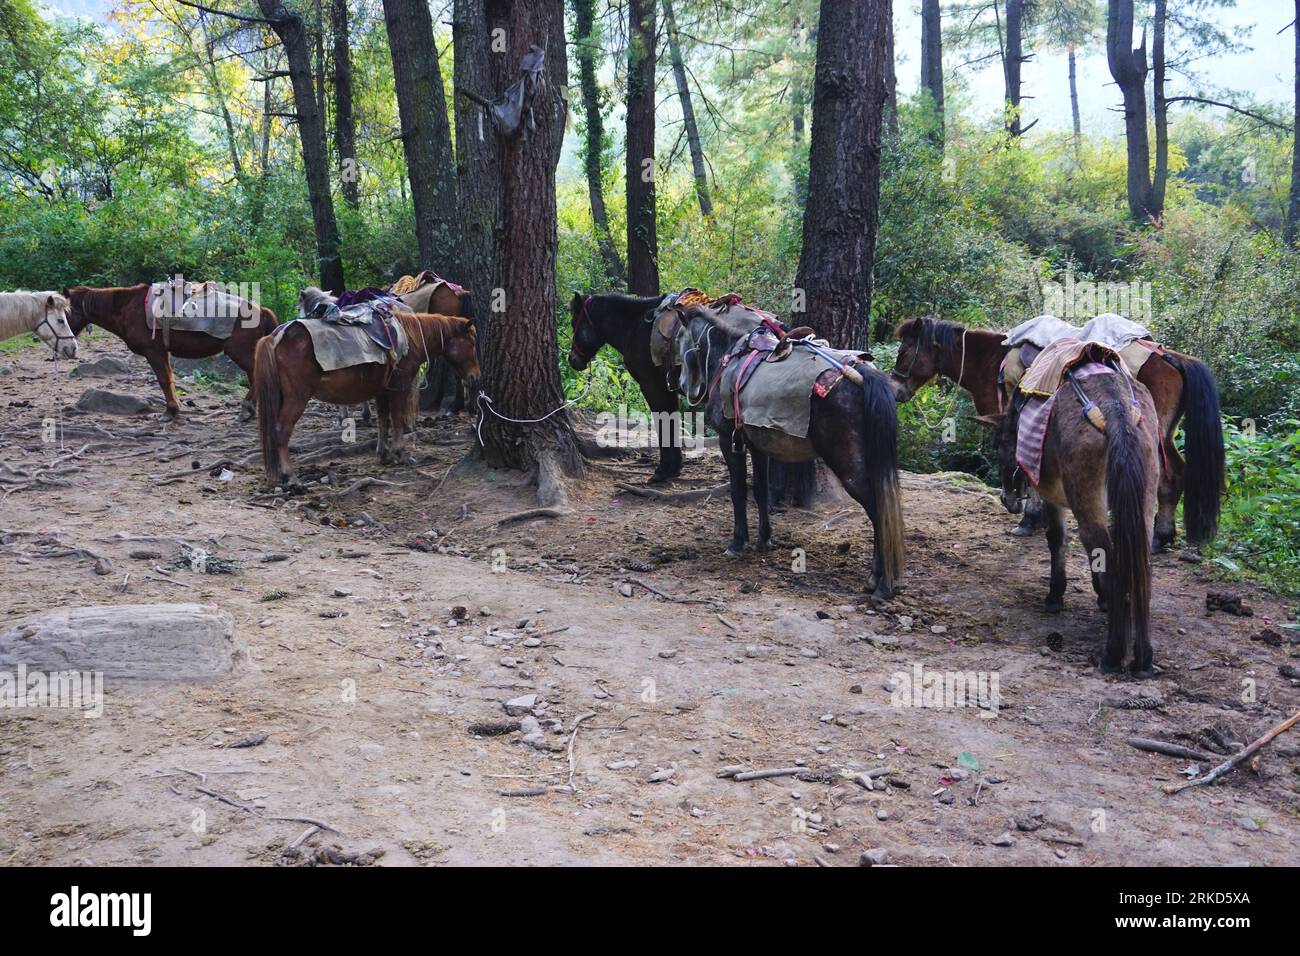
<point>342,346</point>
<point>777,394</point>
<point>206,309</point>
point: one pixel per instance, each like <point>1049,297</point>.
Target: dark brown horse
<point>122,311</point>
<point>1091,473</point>
<point>286,376</point>
<point>854,430</point>
<point>1181,386</point>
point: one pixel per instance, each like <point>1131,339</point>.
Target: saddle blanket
<point>778,394</point>
<point>342,345</point>
<point>668,317</point>
<point>1108,328</point>
<point>199,308</point>
<point>1031,432</point>
<point>416,292</point>
<point>1047,372</point>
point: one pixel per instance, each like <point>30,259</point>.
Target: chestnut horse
<point>286,376</point>
<point>439,297</point>
<point>1180,385</point>
<point>122,311</point>
<point>1092,472</point>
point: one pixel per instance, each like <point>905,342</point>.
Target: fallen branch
<point>366,482</point>
<point>1168,749</point>
<point>529,515</point>
<point>1237,758</point>
<point>673,497</point>
<point>574,736</point>
<point>669,597</point>
<point>769,774</point>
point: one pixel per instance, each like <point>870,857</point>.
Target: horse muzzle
<point>577,362</point>
<point>901,387</point>
<point>67,349</point>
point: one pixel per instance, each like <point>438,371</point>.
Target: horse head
<point>312,299</point>
<point>461,351</point>
<point>701,346</point>
<point>587,340</point>
<point>1010,475</point>
<point>918,356</point>
<point>54,328</point>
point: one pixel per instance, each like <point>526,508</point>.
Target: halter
<point>577,320</point>
<point>45,321</point>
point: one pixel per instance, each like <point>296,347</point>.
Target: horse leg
<point>292,405</point>
<point>161,363</point>
<point>1056,538</point>
<point>735,458</point>
<point>1095,536</point>
<point>762,495</point>
<point>384,441</point>
<point>1032,517</point>
<point>1169,491</point>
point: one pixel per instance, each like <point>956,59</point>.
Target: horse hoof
<point>1147,674</point>
<point>1107,667</point>
<point>1020,531</point>
<point>658,478</point>
<point>1102,604</point>
<point>734,551</point>
<point>882,593</point>
<point>245,414</point>
<point>763,546</point>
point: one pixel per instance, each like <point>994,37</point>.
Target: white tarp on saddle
<point>1108,329</point>
<point>341,346</point>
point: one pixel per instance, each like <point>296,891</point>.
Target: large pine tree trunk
<point>1292,230</point>
<point>1160,108</point>
<point>1012,60</point>
<point>478,163</point>
<point>932,58</point>
<point>1074,106</point>
<point>594,138</point>
<point>517,346</point>
<point>642,238</point>
<point>345,127</point>
<point>891,78</point>
<point>426,133</point>
<point>688,112</point>
<point>288,26</point>
<point>840,217</point>
<point>1128,65</point>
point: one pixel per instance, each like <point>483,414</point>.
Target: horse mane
<point>626,306</point>
<point>451,326</point>
<point>22,311</point>
<point>945,335</point>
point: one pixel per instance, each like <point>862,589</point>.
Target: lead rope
<point>485,397</point>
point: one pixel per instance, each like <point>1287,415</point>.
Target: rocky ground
<point>418,682</point>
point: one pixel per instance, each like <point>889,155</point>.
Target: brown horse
<point>122,311</point>
<point>1181,387</point>
<point>438,296</point>
<point>286,376</point>
<point>1091,472</point>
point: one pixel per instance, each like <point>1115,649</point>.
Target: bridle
<point>53,331</point>
<point>578,318</point>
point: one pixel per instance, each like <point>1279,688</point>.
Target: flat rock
<point>134,641</point>
<point>111,403</point>
<point>104,367</point>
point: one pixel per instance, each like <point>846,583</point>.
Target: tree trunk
<point>219,94</point>
<point>642,239</point>
<point>1128,65</point>
<point>840,218</point>
<point>1074,106</point>
<point>1292,228</point>
<point>426,133</point>
<point>1160,108</point>
<point>288,26</point>
<point>518,347</point>
<point>345,127</point>
<point>594,139</point>
<point>891,78</point>
<point>688,112</point>
<point>932,58</point>
<point>478,163</point>
<point>1011,63</point>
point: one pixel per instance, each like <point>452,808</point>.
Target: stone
<point>519,706</point>
<point>874,857</point>
<point>111,403</point>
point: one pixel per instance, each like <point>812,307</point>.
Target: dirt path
<point>368,697</point>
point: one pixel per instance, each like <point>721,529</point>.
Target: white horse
<point>45,313</point>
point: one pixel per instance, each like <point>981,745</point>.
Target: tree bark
<point>1128,66</point>
<point>1011,62</point>
<point>345,127</point>
<point>932,59</point>
<point>891,78</point>
<point>642,238</point>
<point>478,163</point>
<point>1074,106</point>
<point>426,133</point>
<point>1292,228</point>
<point>688,112</point>
<point>840,217</point>
<point>1160,108</point>
<point>518,344</point>
<point>288,26</point>
<point>594,138</point>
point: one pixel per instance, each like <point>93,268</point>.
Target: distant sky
<point>1266,72</point>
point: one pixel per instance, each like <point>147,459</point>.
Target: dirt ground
<point>354,664</point>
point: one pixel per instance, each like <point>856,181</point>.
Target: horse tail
<point>1203,434</point>
<point>1129,575</point>
<point>880,428</point>
<point>266,390</point>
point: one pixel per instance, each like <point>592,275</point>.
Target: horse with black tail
<point>1100,453</point>
<point>1182,387</point>
<point>854,430</point>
